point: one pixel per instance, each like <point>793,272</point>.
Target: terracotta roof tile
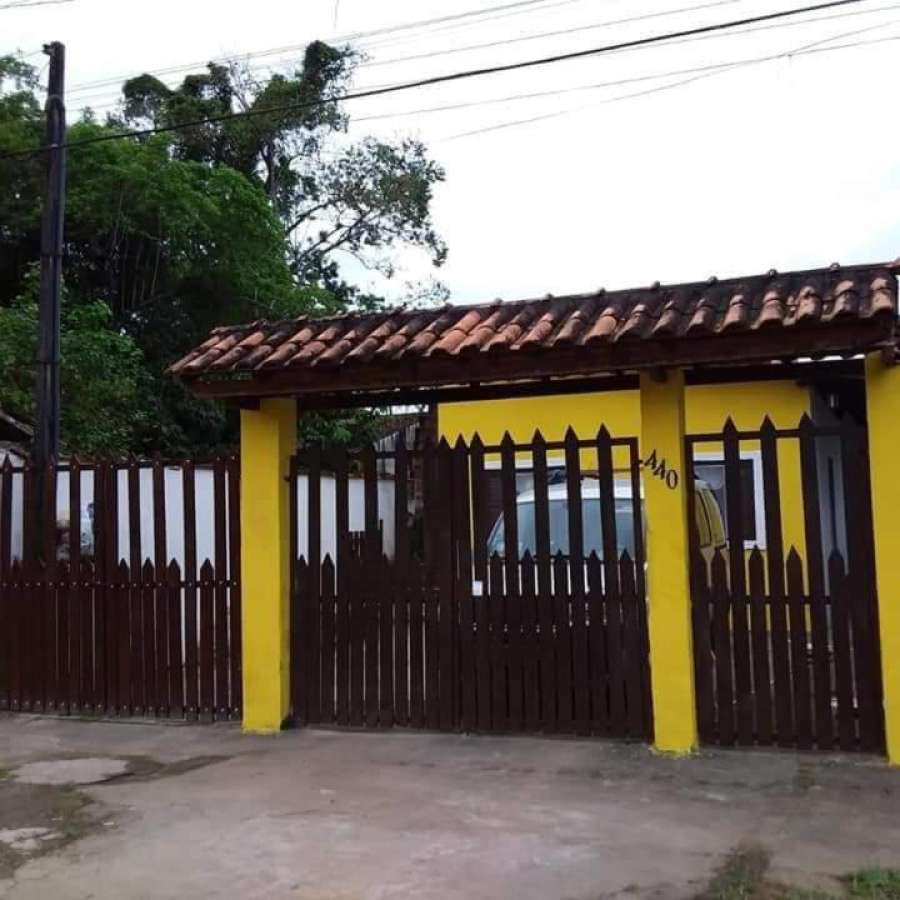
<point>806,301</point>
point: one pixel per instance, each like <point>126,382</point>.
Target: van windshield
<point>559,528</point>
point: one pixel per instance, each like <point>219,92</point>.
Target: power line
<point>114,97</point>
<point>545,34</point>
<point>714,68</point>
<point>21,4</point>
<point>444,79</point>
<point>708,4</point>
<point>704,72</point>
<point>777,25</point>
<point>338,39</point>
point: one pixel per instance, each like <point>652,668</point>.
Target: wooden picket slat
<point>759,642</point>
<point>431,651</point>
<point>19,635</point>
<point>6,492</point>
<point>481,524</point>
<point>161,621</point>
<point>176,652</point>
<point>743,685</point>
<point>29,612</point>
<point>373,579</point>
<point>463,574</point>
<point>563,644</point>
<point>191,660</point>
<point>499,705</point>
<point>234,577</point>
<point>860,565</point>
<point>207,637</point>
<point>632,647</point>
<point>797,609</point>
<point>148,637</point>
<point>8,612</point>
<point>781,665</point>
<point>300,638</point>
<point>415,591</point>
<point>347,567</point>
<point>616,658</point>
<point>342,645</point>
<point>843,667</point>
<point>89,594</point>
<point>577,584</point>
<point>401,646</point>
<point>815,568</point>
<point>704,661</point>
<point>74,597</point>
<point>722,650</point>
<point>443,562</point>
<point>545,599</point>
<point>401,577</point>
<point>163,605</point>
<point>326,654</point>
<point>512,585</point>
<point>529,646</point>
<point>598,605</point>
<point>356,597</point>
<point>311,663</point>
<point>220,597</point>
<point>75,602</point>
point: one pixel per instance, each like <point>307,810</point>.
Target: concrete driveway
<point>207,812</point>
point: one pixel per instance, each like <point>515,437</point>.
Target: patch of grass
<point>743,877</point>
<point>10,860</point>
<point>874,884</point>
<point>69,815</point>
<point>740,877</point>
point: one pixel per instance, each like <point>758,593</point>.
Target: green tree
<point>172,234</point>
<point>365,200</point>
<point>102,369</point>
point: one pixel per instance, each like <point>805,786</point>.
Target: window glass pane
<point>559,528</point>
<point>713,473</point>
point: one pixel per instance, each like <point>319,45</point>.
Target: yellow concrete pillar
<point>883,415</point>
<point>668,579</point>
<point>268,438</point>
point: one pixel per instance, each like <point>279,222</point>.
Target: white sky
<point>783,164</point>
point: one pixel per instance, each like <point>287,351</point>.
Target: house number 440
<point>661,470</point>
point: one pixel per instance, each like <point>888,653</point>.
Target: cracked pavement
<point>204,811</point>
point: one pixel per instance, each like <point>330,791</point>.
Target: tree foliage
<point>102,373</point>
<point>168,235</point>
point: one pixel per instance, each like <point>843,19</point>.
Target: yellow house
<point>781,386</point>
<point>707,407</point>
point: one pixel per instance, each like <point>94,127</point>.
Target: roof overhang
<point>780,321</point>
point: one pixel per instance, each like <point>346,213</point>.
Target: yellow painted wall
<point>669,606</point>
<point>268,438</point>
<point>706,407</point>
<point>882,388</point>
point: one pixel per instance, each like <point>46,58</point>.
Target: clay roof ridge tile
<point>575,321</point>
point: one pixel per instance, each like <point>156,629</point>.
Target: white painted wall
<point>205,512</point>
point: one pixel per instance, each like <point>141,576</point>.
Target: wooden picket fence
<point>457,636</point>
<point>387,648</point>
<point>84,632</point>
<point>786,646</point>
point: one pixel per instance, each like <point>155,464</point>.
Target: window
<point>558,511</point>
<point>710,467</point>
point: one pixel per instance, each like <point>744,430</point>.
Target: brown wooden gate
<point>101,616</point>
<point>447,630</point>
<point>786,638</point>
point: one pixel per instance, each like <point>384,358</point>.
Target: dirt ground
<point>203,811</point>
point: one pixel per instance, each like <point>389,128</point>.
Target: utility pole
<point>46,430</point>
